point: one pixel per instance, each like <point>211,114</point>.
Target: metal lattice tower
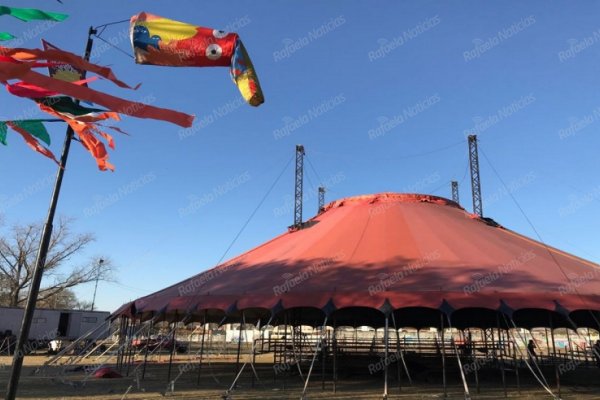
<point>475,182</point>
<point>455,192</point>
<point>321,198</point>
<point>298,186</point>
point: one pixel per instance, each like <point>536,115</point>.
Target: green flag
<point>67,105</point>
<point>30,14</point>
<point>3,132</point>
<point>35,128</point>
<point>6,36</point>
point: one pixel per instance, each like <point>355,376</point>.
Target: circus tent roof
<point>415,255</point>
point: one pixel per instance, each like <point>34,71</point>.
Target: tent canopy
<point>365,257</point>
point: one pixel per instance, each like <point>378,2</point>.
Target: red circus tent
<point>415,257</point>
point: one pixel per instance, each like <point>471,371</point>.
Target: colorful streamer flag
<point>26,15</point>
<point>63,71</point>
<point>32,131</point>
<point>16,63</point>
<point>56,96</point>
<point>30,14</point>
<point>161,41</point>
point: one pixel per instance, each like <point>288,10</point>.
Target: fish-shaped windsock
<point>161,41</point>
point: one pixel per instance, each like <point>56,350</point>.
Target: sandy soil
<point>61,383</point>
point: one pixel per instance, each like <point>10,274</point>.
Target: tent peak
<point>393,197</point>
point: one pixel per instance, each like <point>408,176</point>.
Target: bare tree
<point>67,300</point>
<point>18,253</point>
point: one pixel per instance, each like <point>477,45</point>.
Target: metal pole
<point>239,347</point>
<point>473,357</point>
<point>130,330</point>
<point>146,348</point>
<point>398,353</point>
<point>554,351</point>
<point>323,356</point>
<point>475,180</point>
<point>202,347</point>
<point>17,363</point>
<point>284,353</point>
<point>516,363</point>
<point>455,197</point>
<point>298,187</point>
<point>100,262</point>
<point>401,352</point>
<point>386,362</point>
<point>501,361</point>
<point>334,343</point>
<point>321,198</point>
<point>174,341</point>
<point>443,356</point>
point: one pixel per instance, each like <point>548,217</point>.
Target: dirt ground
<point>70,383</point>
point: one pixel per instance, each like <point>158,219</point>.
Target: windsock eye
<point>219,34</point>
<point>214,51</point>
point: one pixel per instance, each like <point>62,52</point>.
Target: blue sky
<point>380,93</point>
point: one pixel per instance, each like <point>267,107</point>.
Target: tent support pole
<point>473,357</point>
<point>201,348</point>
<point>146,349</point>
<point>514,342</point>
<point>121,342</point>
<point>501,362</point>
<point>129,336</point>
<point>547,342</point>
<point>172,347</point>
<point>239,346</point>
<point>398,353</point>
<point>124,345</point>
<point>460,366</point>
<point>317,346</point>
<point>443,356</point>
<point>401,351</point>
<point>571,352</point>
<point>239,372</point>
<point>554,350</point>
<point>283,354</point>
<point>386,360</point>
<point>297,359</point>
<point>323,363</point>
<point>253,355</point>
<point>334,344</point>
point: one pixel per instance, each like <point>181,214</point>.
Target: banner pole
<point>17,363</point>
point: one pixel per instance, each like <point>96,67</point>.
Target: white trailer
<point>48,324</point>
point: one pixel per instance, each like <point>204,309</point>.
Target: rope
<point>114,47</point>
<point>210,367</point>
<point>426,153</point>
<point>401,350</point>
<point>255,211</point>
<point>543,384</point>
<point>111,23</point>
<point>432,151</point>
<point>313,168</point>
<point>462,372</point>
<point>537,234</point>
<point>251,363</point>
<point>317,347</point>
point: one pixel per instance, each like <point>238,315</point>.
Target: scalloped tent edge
<point>386,235</point>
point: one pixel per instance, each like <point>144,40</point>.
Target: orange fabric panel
<point>21,54</point>
<point>116,104</point>
<point>33,142</point>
